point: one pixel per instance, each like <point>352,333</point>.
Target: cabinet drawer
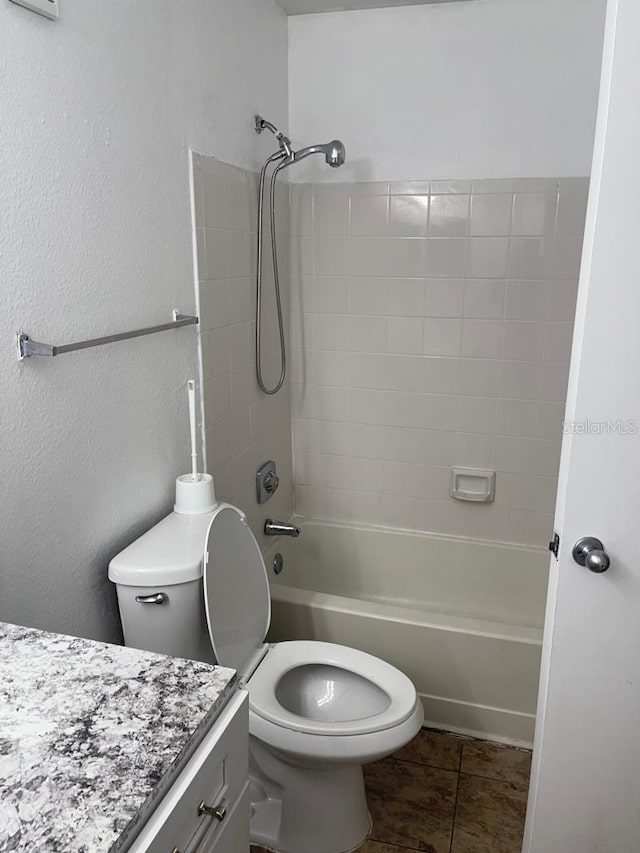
<point>216,775</point>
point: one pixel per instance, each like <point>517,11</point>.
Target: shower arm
<point>263,124</point>
<point>283,141</point>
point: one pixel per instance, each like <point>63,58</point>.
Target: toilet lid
<point>236,589</point>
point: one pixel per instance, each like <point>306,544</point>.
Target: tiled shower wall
<point>431,327</point>
<point>244,428</point>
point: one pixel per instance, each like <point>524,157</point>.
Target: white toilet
<point>318,711</point>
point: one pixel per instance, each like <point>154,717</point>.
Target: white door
<point>585,789</point>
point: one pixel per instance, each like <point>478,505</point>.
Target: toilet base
<point>315,808</point>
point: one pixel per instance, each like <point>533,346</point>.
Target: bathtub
<point>462,618</point>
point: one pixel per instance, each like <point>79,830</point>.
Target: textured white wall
<point>488,89</point>
<point>98,112</point>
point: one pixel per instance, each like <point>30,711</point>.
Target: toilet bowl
<point>329,703</point>
<point>317,711</point>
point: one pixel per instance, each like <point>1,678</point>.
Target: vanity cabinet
<point>206,810</point>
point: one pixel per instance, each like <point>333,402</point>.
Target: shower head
<point>334,153</point>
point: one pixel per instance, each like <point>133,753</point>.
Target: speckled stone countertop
<point>91,736</point>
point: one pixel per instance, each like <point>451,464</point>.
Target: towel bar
<point>27,347</point>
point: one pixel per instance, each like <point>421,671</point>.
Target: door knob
<point>590,552</point>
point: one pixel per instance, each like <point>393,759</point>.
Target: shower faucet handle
<point>267,481</point>
<point>271,482</point>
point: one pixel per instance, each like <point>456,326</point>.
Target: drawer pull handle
<point>175,850</point>
<point>218,812</point>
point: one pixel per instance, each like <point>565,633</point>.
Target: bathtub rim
<point>303,520</point>
<point>407,615</point>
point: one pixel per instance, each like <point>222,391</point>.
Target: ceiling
<point>305,7</point>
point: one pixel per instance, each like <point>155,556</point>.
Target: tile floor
<point>447,794</point>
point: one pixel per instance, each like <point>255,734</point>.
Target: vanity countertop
<point>91,737</point>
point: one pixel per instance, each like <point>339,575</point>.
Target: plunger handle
<point>191,392</point>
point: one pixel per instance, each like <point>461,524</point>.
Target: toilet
<point>196,587</point>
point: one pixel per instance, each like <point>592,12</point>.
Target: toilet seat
<point>362,672</point>
<point>237,598</point>
<point>238,609</point>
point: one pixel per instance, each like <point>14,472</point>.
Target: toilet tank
<point>158,580</point>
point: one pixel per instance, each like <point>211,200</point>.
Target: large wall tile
<point>490,214</point>
<point>408,215</point>
<point>449,216</point>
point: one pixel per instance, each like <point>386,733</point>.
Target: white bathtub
<point>462,618</point>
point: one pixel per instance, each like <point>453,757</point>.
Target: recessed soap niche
<point>473,484</point>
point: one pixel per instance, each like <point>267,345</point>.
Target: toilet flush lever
<point>156,598</point>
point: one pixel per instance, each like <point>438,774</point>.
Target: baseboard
<point>496,724</point>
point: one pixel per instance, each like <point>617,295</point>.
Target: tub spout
<point>280,528</point>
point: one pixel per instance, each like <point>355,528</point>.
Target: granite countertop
<point>92,735</point>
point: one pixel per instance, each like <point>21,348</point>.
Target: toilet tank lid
<point>168,554</point>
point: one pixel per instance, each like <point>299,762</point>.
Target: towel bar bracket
<point>27,347</point>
